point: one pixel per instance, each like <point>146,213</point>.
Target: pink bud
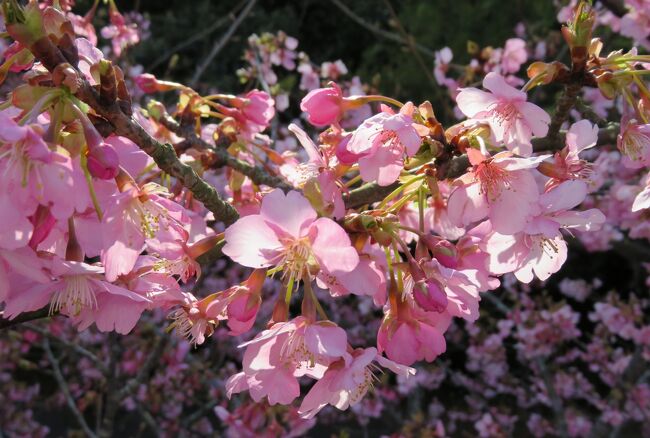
<point>147,83</point>
<point>323,105</point>
<point>103,162</point>
<point>443,250</point>
<point>343,154</point>
<point>430,296</point>
<point>43,222</point>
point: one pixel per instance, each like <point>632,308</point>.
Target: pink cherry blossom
<point>80,292</point>
<point>502,187</point>
<point>634,143</point>
<point>253,112</point>
<point>32,174</point>
<point>321,166</point>
<point>287,234</point>
<point>276,357</point>
<point>408,334</point>
<point>324,106</point>
<point>345,384</point>
<point>539,250</point>
<point>135,215</point>
<point>514,55</point>
<point>121,33</point>
<point>381,143</point>
<point>512,119</point>
<point>567,164</point>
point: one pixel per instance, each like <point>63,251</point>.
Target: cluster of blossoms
<point>110,210</point>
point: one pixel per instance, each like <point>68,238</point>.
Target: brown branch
<point>219,44</point>
<point>116,112</point>
<point>163,154</point>
<point>378,31</point>
<point>63,386</point>
<point>564,105</point>
<point>24,317</point>
<point>617,7</point>
<point>230,16</point>
<point>256,174</point>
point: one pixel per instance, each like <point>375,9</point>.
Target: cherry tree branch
<point>564,105</point>
<point>219,44</point>
<point>617,7</point>
<point>112,109</point>
<point>230,16</point>
<point>24,317</point>
<point>257,174</point>
<point>63,386</point>
<point>378,31</point>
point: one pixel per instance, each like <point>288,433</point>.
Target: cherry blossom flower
<point>80,292</point>
<point>135,215</point>
<point>514,55</point>
<point>567,164</point>
<point>539,250</point>
<point>512,119</point>
<point>381,143</point>
<point>634,143</point>
<point>276,357</point>
<point>408,334</point>
<point>288,235</point>
<point>500,187</point>
<point>345,383</point>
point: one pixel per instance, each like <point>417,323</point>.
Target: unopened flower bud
<point>103,162</point>
<point>430,296</point>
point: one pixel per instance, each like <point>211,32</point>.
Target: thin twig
<point>617,7</point>
<point>24,317</point>
<point>71,345</point>
<point>378,31</point>
<point>197,37</point>
<point>556,401</point>
<point>223,158</point>
<point>411,44</point>
<point>65,390</point>
<point>219,44</point>
<point>147,367</point>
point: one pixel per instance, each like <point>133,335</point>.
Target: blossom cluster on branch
<point>110,210</point>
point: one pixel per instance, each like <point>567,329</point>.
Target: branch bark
<point>219,44</point>
<point>617,7</point>
<point>63,386</point>
<point>163,154</point>
<point>24,317</point>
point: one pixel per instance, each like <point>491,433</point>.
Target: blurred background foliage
<point>326,33</point>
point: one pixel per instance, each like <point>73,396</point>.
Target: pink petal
<point>535,118</point>
<point>498,85</point>
<point>384,166</point>
<point>582,135</point>
<point>473,101</point>
<point>511,209</point>
<point>327,340</point>
<point>291,212</point>
<point>251,242</point>
<point>565,196</point>
<point>332,246</point>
